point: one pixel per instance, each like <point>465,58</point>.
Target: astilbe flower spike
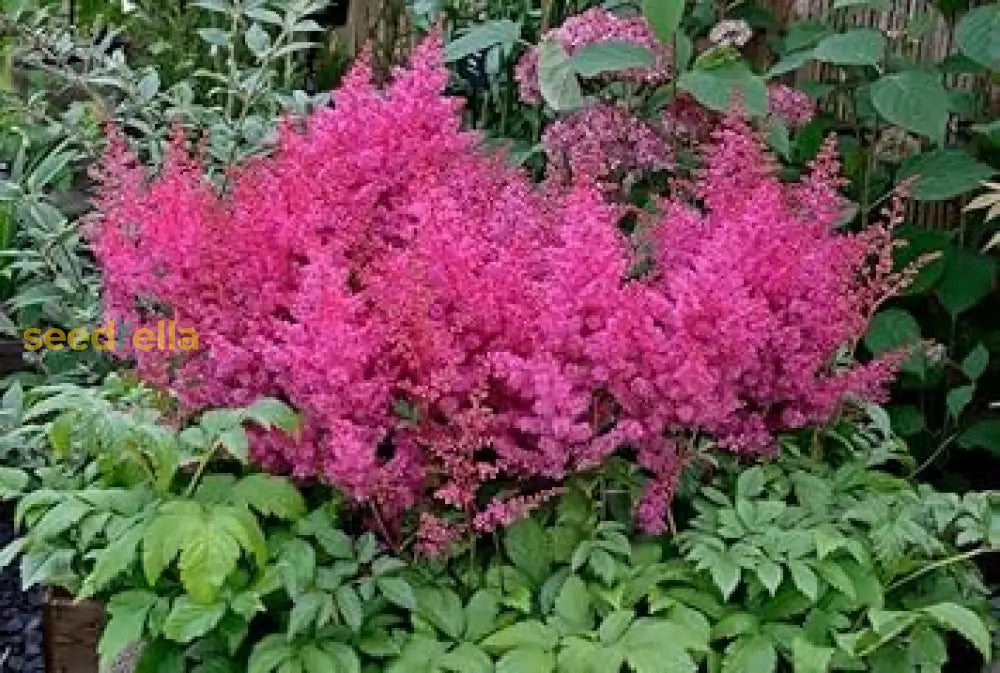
<point>444,325</point>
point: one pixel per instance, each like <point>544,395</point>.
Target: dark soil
<point>21,637</point>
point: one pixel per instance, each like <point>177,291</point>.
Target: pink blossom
<point>792,106</point>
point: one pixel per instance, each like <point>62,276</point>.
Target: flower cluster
<point>790,105</point>
<point>606,145</point>
<point>450,330</point>
<point>594,26</point>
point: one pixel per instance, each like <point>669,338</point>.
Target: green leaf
<point>834,575</point>
<point>573,604</point>
<point>978,35</point>
<point>720,87</point>
<point>958,399</point>
<point>750,655</point>
<point>60,518</point>
<point>269,653</point>
<point>598,58</point>
<point>790,63</point>
<point>482,36</point>
<point>257,39</point>
<point>603,564</point>
<point>769,573</point>
<point>525,634</point>
<point>189,620</point>
<point>164,537</point>
<point>442,608</point>
<point>804,579</point>
<point>890,330</point>
<point>529,548</point>
<point>614,625</point>
<point>983,434</point>
<point>481,614</point>
<point>943,174</point>
<point>915,100</point>
<point>861,46</point>
<point>127,612</point>
<point>527,660</point>
<point>12,482</point>
<point>349,605</point>
<point>269,412</point>
<point>657,646</point>
<point>810,658</point>
<point>664,17</point>
<point>557,79</point>
<point>777,137</point>
<point>397,591</point>
<point>750,483</point>
<point>298,563</point>
<point>322,526</point>
<point>968,278</point>
<point>112,560</point>
<point>964,621</point>
<point>975,363</point>
<point>465,658</point>
<point>305,610</point>
<point>725,573</point>
<point>270,495</point>
<point>236,442</point>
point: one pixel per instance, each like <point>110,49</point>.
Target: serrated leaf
<point>270,495</point>
<point>525,634</point>
<point>113,560</point>
<point>269,653</point>
<point>964,621</point>
<point>804,579</point>
<point>271,413</point>
<point>397,591</point>
<point>442,608</point>
<point>861,46</point>
<point>573,604</point>
<point>808,657</point>
<point>481,614</point>
<point>305,611</point>
<point>189,619</point>
<point>754,654</point>
<point>349,605</point>
<point>527,660</point>
<point>127,611</point>
<point>207,558</point>
<point>465,658</point>
<point>528,547</point>
<point>236,442</point>
<point>836,577</point>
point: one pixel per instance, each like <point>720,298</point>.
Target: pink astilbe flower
<point>790,105</point>
<point>594,26</point>
<point>605,145</point>
<point>445,326</point>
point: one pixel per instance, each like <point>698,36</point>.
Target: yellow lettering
<point>32,339</point>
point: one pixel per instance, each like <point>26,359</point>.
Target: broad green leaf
<point>481,614</point>
<point>721,87</point>
<point>557,79</point>
<point>127,611</point>
<point>525,634</point>
<point>735,624</point>
<point>442,608</point>
<point>529,548</point>
<point>803,35</point>
<point>189,620</point>
<point>269,653</point>
<point>943,174</point>
<point>665,657</point>
<point>614,625</point>
<point>349,605</point>
<point>527,660</point>
<point>664,17</point>
<point>482,36</point>
<point>298,563</point>
<point>804,579</point>
<point>345,658</point>
<point>915,100</point>
<point>968,278</point>
<point>790,63</point>
<point>321,525</point>
<point>975,363</point>
<point>207,558</point>
<point>163,539</point>
<point>270,495</point>
<point>810,658</point>
<point>984,434</point>
<point>60,518</point>
<point>573,604</point>
<point>600,57</point>
<point>753,654</point>
<point>269,412</point>
<point>978,35</point>
<point>465,658</point>
<point>890,330</point>
<point>964,621</point>
<point>113,560</point>
<point>398,591</point>
<point>860,46</point>
<point>750,483</point>
<point>13,481</point>
<point>236,442</point>
<point>958,399</point>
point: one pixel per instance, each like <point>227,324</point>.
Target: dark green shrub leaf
<point>890,330</point>
<point>861,46</point>
<point>720,87</point>
<point>982,435</point>
<point>528,548</point>
<point>557,78</point>
<point>975,363</point>
<point>943,174</point>
<point>664,17</point>
<point>790,63</point>
<point>968,278</point>
<point>482,36</point>
<point>913,99</point>
<point>601,57</point>
<point>978,35</point>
